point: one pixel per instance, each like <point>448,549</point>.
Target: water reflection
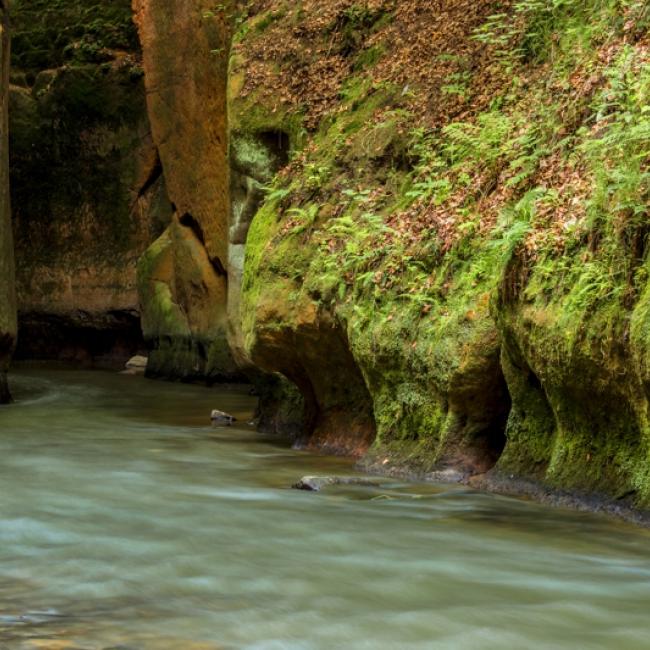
<point>126,521</point>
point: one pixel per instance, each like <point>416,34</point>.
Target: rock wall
<point>183,277</point>
<point>452,267</point>
<point>430,220</point>
<point>86,180</point>
<point>7,289</point>
<point>355,365</point>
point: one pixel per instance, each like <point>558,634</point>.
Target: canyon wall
<point>86,184</point>
<point>452,266</point>
<point>7,289</point>
<point>422,230</point>
<point>183,276</point>
<point>120,181</point>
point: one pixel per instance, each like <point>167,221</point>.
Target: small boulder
<point>317,483</point>
<point>313,483</point>
<point>221,419</point>
<point>136,365</point>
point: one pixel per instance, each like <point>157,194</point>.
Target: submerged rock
<point>222,419</point>
<point>317,483</point>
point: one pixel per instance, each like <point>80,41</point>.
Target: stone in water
<point>221,419</point>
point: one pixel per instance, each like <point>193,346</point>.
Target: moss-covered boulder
<point>574,317</point>
<point>255,157</point>
<point>327,297</point>
<point>176,281</point>
<point>7,288</point>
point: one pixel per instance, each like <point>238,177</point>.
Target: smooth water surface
<point>127,522</point>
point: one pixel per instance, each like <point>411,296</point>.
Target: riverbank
<point>382,464</point>
<point>495,482</point>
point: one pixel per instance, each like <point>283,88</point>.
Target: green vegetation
<point>51,33</point>
<point>506,246</point>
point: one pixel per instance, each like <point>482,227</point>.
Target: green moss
<point>191,359</point>
<point>282,407</point>
<point>51,33</point>
<point>161,315</point>
<point>548,296</point>
<point>258,239</point>
<point>178,351</point>
<point>249,155</point>
<point>263,22</point>
<point>250,117</point>
<point>531,424</point>
<point>76,129</point>
<point>640,333</point>
<point>356,23</point>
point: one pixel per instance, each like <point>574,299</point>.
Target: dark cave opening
<point>478,437</point>
<point>278,144</point>
<point>79,338</point>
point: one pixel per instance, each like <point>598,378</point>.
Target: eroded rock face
<point>254,160</point>
<point>177,287</point>
<point>7,289</point>
<point>433,399</point>
<point>409,270</point>
<point>255,156</point>
<point>87,186</point>
<point>310,347</point>
<point>580,396</point>
<point>185,47</point>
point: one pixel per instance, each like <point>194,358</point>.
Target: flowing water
<point>127,522</point>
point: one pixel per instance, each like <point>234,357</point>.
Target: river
<point>128,522</point>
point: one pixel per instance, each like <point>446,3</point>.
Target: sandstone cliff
<point>120,178</point>
<point>183,277</point>
<point>85,176</point>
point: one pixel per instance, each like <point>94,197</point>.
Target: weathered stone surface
<point>409,271</point>
<point>137,362</point>
<point>281,406</point>
<point>254,160</point>
<point>87,188</point>
<point>136,365</point>
<point>178,287</point>
<point>7,288</point>
<point>293,335</point>
<point>185,46</point>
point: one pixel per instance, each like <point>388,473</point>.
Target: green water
<point>128,522</point>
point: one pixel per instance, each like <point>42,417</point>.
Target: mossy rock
<point>52,33</point>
